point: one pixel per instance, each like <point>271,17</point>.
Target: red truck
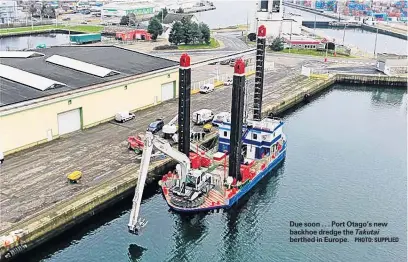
<point>140,34</point>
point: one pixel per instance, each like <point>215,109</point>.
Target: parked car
<point>124,116</point>
<point>207,88</point>
<point>156,126</point>
<point>202,116</point>
<point>221,117</point>
<point>66,19</point>
<point>1,158</point>
<point>228,82</point>
<point>225,62</point>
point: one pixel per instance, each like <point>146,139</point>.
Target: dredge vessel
<point>247,150</point>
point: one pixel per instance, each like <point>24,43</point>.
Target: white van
<point>124,116</point>
<point>202,116</point>
<point>207,88</point>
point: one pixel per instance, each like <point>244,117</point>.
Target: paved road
<point>232,43</point>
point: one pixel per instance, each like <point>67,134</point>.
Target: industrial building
<point>270,14</point>
<point>392,64</point>
<point>113,12</point>
<point>68,88</point>
<point>8,11</point>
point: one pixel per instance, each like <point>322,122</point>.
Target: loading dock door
<point>69,121</point>
<point>167,91</point>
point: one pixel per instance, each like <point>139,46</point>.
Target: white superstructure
<point>270,14</point>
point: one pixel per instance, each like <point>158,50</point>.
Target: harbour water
<point>228,13</point>
<point>365,40</point>
<point>31,41</point>
<point>307,16</point>
<point>346,161</point>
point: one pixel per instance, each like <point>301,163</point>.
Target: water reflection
<point>31,41</point>
<point>135,252</point>
<point>380,96</point>
<point>387,97</point>
<point>242,220</point>
<point>189,230</point>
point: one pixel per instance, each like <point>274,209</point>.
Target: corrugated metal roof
<point>127,62</point>
<point>28,79</point>
<point>81,66</point>
<point>19,54</point>
<point>173,17</point>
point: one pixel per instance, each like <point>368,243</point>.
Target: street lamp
<point>375,43</point>
<point>344,32</point>
<point>314,30</point>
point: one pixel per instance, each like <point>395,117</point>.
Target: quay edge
<point>53,221</point>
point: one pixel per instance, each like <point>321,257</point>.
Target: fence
<point>322,73</point>
<point>219,80</point>
<point>27,23</point>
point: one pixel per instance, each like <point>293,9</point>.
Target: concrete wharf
<point>37,199</point>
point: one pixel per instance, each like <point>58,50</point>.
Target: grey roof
<point>173,17</point>
<point>126,62</point>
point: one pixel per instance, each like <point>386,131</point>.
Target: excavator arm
<point>184,161</point>
<point>173,121</point>
<point>135,223</point>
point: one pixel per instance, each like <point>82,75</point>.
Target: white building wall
<point>271,17</point>
<point>8,11</point>
<point>273,28</point>
<point>286,27</point>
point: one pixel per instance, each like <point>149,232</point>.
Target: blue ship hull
<point>241,193</point>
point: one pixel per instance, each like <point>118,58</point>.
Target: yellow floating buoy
<point>74,176</point>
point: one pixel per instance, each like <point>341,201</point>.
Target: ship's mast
<point>184,105</point>
<point>237,115</point>
<point>259,72</point>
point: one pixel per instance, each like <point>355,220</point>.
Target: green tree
<point>195,32</point>
<point>154,28</point>
<point>180,10</point>
<point>33,9</point>
<point>132,19</point>
<point>162,14</point>
<point>176,35</point>
<point>277,44</point>
<point>205,33</point>
<point>124,20</point>
<point>186,24</point>
<point>48,11</point>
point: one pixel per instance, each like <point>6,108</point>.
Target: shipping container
<point>85,38</point>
